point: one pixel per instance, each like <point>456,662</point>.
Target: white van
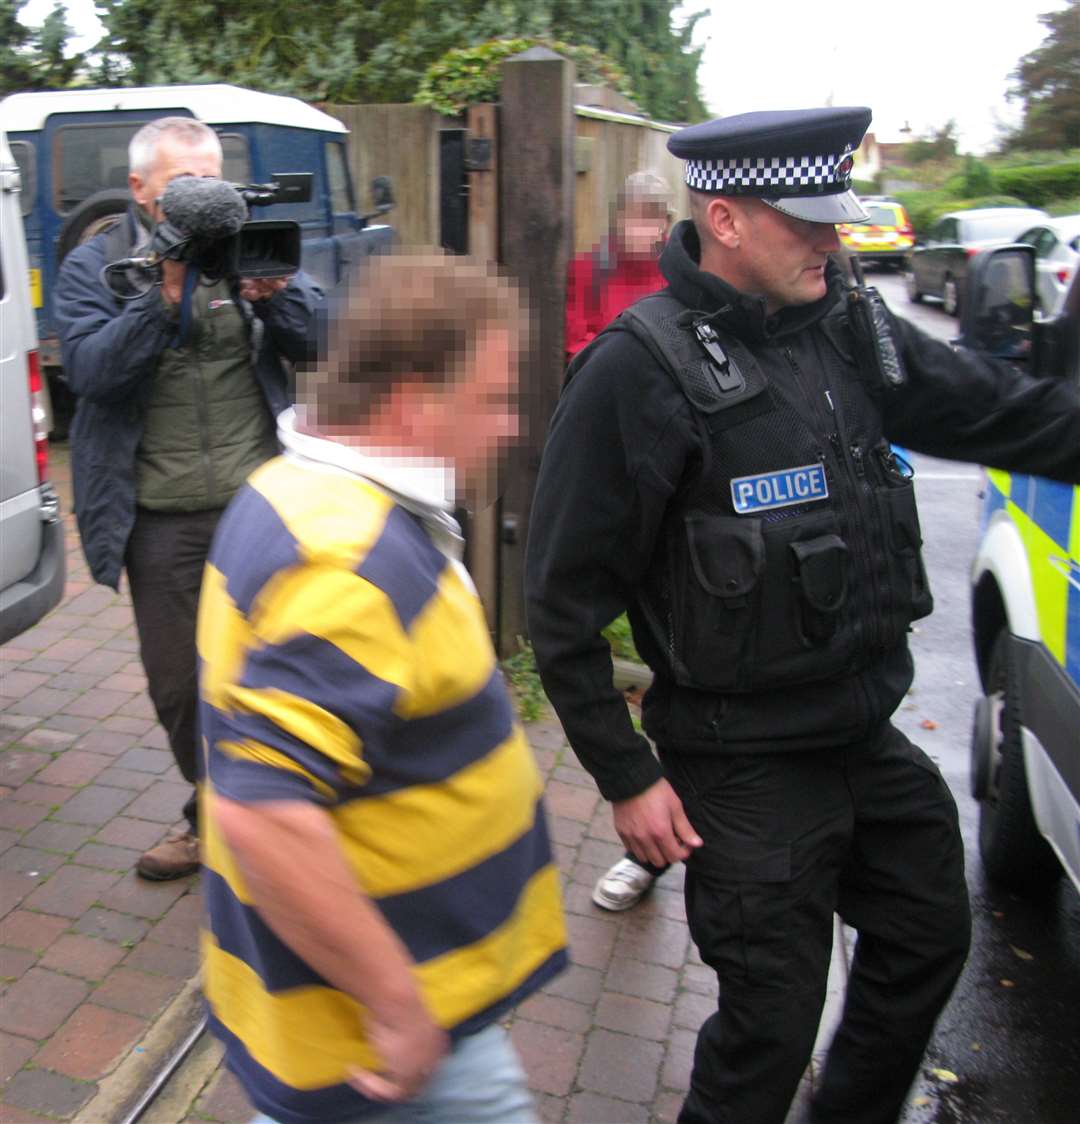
<point>31,534</point>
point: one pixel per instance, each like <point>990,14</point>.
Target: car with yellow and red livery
<point>886,236</point>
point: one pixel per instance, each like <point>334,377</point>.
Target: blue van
<point>71,147</point>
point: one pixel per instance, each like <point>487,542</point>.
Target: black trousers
<point>652,868</point>
<point>164,560</point>
<point>868,831</point>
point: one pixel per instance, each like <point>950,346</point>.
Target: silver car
<point>1057,252</point>
<point>32,567</point>
<point>937,267</point>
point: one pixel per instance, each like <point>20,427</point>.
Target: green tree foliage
<point>978,179</point>
<point>1048,83</point>
<point>32,58</point>
<point>14,58</point>
<point>639,35</point>
<point>274,45</point>
<point>975,178</point>
<point>937,144</point>
<point>379,50</point>
<point>467,75</point>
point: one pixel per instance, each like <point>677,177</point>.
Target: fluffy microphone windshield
<point>200,207</point>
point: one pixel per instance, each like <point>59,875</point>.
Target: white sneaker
<point>624,885</point>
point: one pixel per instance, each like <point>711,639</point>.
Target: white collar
<point>425,489</point>
<point>430,484</point>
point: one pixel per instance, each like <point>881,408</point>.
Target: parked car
<point>72,150</point>
<point>1025,601</point>
<point>937,266</point>
<point>32,567</point>
<point>887,236</point>
<point>1057,251</point>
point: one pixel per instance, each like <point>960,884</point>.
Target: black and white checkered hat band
<point>772,175</point>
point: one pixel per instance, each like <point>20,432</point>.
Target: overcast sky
<point>912,61</point>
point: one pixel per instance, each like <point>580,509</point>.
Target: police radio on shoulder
<point>873,330</point>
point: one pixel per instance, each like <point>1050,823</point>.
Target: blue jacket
<point>110,350</point>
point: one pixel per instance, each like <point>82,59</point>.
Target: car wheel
<point>101,211</point>
<point>950,297</point>
<point>912,286</point>
<point>1013,852</point>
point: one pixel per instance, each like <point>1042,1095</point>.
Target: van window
<point>23,151</point>
<point>338,171</point>
<point>236,160</point>
<point>90,158</point>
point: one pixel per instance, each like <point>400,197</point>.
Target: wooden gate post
<point>482,162</point>
<point>536,222</point>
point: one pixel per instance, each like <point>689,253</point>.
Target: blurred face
<point>778,257</point>
<point>173,156</point>
<point>641,228</point>
<point>472,420</point>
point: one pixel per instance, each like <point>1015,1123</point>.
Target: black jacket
<point>110,350</point>
<point>627,471</point>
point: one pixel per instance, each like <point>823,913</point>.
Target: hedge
<point>1070,206</point>
<point>1038,185</point>
<point>924,208</point>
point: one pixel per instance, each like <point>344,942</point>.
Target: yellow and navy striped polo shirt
<point>345,660</point>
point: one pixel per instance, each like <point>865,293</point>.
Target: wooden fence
<point>541,187</point>
<point>608,147</point>
<point>402,141</point>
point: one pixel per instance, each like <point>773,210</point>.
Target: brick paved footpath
<point>90,955</point>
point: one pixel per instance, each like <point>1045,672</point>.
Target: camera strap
<point>191,279</point>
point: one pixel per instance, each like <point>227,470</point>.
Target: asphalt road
<point>1011,1033</point>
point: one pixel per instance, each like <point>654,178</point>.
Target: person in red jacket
<point>611,276</point>
<point>600,284</point>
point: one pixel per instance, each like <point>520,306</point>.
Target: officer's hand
<point>172,280</point>
<point>261,288</point>
<point>411,1047</point>
<point>654,827</point>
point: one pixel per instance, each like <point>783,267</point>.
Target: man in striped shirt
<point>378,877</point>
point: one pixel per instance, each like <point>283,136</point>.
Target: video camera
<point>206,225</point>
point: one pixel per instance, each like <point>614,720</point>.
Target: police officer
<point>719,465</point>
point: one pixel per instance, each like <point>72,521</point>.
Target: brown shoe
<point>176,857</point>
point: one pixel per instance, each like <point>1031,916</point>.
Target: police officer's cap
<point>797,160</point>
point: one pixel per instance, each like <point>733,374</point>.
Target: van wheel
<point>912,286</point>
<point>101,211</point>
<point>1013,852</point>
<point>950,297</point>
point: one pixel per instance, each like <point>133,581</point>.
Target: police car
<point>886,236</point>
<point>1025,753</point>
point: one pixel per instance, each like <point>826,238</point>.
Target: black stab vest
<point>759,581</point>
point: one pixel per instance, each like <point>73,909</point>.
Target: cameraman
<point>176,397</point>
